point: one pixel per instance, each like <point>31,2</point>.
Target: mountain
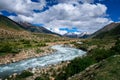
<point>84,35</point>
<point>71,35</point>
<point>111,30</point>
<point>10,30</point>
<point>7,23</point>
<point>36,29</point>
<point>77,35</point>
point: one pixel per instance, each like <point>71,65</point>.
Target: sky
<point>62,16</point>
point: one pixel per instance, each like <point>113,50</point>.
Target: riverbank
<point>25,54</point>
<point>30,53</point>
<point>61,55</point>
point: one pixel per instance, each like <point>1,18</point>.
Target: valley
<point>36,53</point>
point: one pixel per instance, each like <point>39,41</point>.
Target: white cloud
<point>76,1</point>
<point>86,17</point>
<point>57,30</point>
<point>24,7</point>
<point>0,13</point>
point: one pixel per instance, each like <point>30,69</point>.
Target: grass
<point>109,70</point>
<point>7,47</point>
<point>94,56</point>
<point>97,43</point>
<point>39,51</point>
<point>9,24</point>
<point>112,34</point>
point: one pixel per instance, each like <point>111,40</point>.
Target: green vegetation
<point>9,24</point>
<point>109,70</point>
<point>88,44</point>
<point>25,74</point>
<point>111,34</point>
<point>77,65</point>
<point>101,48</point>
<point>14,37</point>
<point>95,55</point>
<point>22,76</point>
<point>42,78</point>
<point>16,46</point>
<point>105,70</point>
<point>39,78</point>
<point>39,50</point>
<point>7,47</point>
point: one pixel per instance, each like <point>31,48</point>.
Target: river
<point>62,53</point>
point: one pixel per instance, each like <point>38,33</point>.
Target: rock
<point>14,75</point>
<point>10,76</point>
<point>13,60</point>
<point>33,70</point>
<point>52,78</point>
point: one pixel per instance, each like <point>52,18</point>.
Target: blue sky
<point>113,8</point>
<point>61,15</point>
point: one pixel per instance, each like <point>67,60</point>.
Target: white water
<point>62,54</point>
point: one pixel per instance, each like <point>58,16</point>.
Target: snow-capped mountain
<point>77,34</point>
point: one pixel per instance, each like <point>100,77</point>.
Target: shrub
<point>39,50</point>
<point>8,47</point>
<point>25,74</point>
<point>100,54</point>
<point>39,78</point>
<point>82,63</point>
<point>116,48</point>
<point>77,65</point>
<point>42,44</point>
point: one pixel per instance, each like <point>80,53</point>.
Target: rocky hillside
<point>109,31</point>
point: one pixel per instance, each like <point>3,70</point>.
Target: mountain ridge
<point>110,30</point>
<point>7,23</point>
<point>36,29</point>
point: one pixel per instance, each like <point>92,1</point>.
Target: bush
<point>8,48</point>
<point>77,65</point>
<point>25,74</point>
<point>82,63</point>
<point>39,50</point>
<point>100,54</point>
<point>39,78</point>
<point>116,48</point>
<point>42,44</point>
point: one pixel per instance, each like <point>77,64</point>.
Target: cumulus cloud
<point>76,1</point>
<point>67,13</point>
<point>86,17</point>
<point>24,7</point>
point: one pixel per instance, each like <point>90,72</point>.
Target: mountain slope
<point>14,37</point>
<point>10,30</point>
<point>7,23</point>
<point>110,31</point>
<point>36,29</point>
<point>105,70</point>
<point>77,35</point>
